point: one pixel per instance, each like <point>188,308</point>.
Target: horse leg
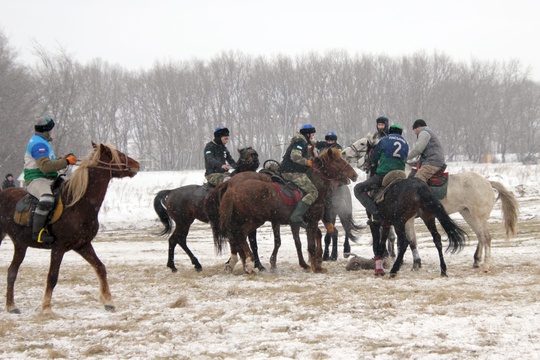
<point>314,236</point>
<point>346,246</point>
<point>277,245</point>
<point>411,238</point>
<point>327,240</point>
<point>229,265</point>
<point>255,250</point>
<point>480,228</point>
<point>390,245</point>
<point>181,232</point>
<point>402,247</point>
<point>334,256</point>
<point>170,259</point>
<point>430,224</point>
<point>88,254</point>
<point>379,251</point>
<point>52,278</point>
<point>246,255</point>
<point>298,244</point>
<point>13,270</point>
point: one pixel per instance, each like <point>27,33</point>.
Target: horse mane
<point>75,187</point>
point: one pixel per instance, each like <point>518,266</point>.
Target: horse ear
<point>94,145</point>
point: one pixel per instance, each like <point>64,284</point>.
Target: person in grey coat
<point>429,149</point>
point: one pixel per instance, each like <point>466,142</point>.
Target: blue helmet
<point>331,135</point>
<point>307,129</point>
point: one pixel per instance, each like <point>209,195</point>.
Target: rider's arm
<point>47,165</point>
<point>230,160</point>
<point>419,145</point>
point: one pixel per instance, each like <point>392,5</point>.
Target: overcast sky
<point>137,33</point>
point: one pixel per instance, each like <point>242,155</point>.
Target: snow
<point>283,314</point>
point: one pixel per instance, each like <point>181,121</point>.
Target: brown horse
<point>185,204</point>
<point>82,196</point>
<point>245,208</point>
<point>212,211</point>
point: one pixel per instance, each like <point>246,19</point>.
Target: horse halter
<point>113,166</point>
<point>339,170</point>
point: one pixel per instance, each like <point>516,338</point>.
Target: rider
<point>382,127</point>
<point>40,169</point>
<point>217,159</point>
<point>430,150</point>
<point>330,140</point>
<point>389,154</point>
<point>8,182</point>
<point>293,168</point>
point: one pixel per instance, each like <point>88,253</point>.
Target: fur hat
<point>220,132</point>
<point>44,124</point>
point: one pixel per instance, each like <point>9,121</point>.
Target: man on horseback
<point>389,154</point>
<point>293,168</point>
<point>382,126</point>
<point>217,159</point>
<point>330,140</point>
<point>40,170</point>
<point>430,150</point>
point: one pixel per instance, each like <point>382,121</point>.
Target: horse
<point>82,196</point>
<point>341,206</point>
<point>468,193</point>
<point>212,211</point>
<point>245,208</point>
<point>185,204</point>
<point>402,200</point>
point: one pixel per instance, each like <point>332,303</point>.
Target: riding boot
<point>370,205</point>
<point>297,217</point>
<point>45,205</point>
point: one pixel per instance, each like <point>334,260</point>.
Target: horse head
<point>249,160</point>
<point>333,167</point>
<point>359,150</point>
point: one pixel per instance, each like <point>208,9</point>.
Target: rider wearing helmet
<point>217,159</point>
<point>382,126</point>
<point>430,150</point>
<point>40,170</point>
<point>389,154</point>
<point>295,163</point>
<point>8,182</point>
<point>330,140</point>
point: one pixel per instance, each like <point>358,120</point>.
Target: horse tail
<point>213,199</point>
<point>161,211</point>
<point>349,225</point>
<point>226,211</point>
<point>510,208</point>
<point>456,235</point>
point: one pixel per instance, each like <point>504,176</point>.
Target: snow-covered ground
<point>286,314</point>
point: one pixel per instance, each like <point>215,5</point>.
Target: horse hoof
<point>392,275</point>
<point>110,308</point>
<point>198,269</point>
<point>172,267</point>
<point>228,269</point>
<point>15,311</point>
<point>261,268</point>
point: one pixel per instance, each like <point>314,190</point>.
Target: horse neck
<point>96,189</point>
<point>322,184</point>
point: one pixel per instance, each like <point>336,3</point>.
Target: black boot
<point>40,218</point>
<point>297,217</point>
<point>370,206</point>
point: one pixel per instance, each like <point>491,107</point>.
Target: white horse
<point>468,193</point>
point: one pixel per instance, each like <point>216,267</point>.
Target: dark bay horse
<point>402,201</point>
<point>82,196</point>
<point>468,193</point>
<point>245,208</point>
<point>180,207</point>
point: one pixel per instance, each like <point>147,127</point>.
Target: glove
<point>309,163</point>
<point>71,159</point>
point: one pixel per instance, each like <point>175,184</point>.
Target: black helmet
<point>220,132</point>
<point>307,129</point>
<point>418,123</point>
<point>331,135</point>
<point>44,124</point>
<point>395,129</point>
<point>383,120</point>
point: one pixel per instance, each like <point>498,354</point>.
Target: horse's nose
<point>355,177</point>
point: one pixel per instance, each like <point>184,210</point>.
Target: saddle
<point>26,206</point>
<point>389,179</point>
<point>290,193</point>
<point>438,183</point>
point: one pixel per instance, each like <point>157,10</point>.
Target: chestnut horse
<point>82,196</point>
<point>185,204</point>
<point>245,208</point>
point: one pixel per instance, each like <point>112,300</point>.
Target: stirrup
<point>40,239</point>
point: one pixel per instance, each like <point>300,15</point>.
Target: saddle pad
<point>25,208</point>
<point>289,196</point>
<point>438,180</point>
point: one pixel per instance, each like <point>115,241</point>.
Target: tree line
<point>163,116</point>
